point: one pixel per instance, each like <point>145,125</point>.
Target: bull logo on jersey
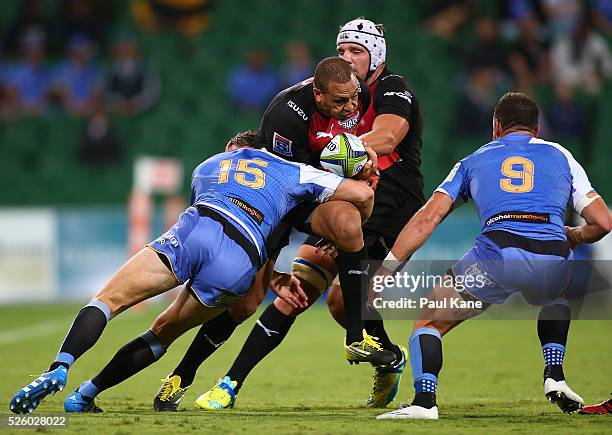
<point>350,123</point>
<point>281,145</point>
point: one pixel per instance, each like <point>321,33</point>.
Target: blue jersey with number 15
<point>255,189</point>
<point>520,184</point>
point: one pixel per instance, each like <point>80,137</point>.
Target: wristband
<point>391,262</point>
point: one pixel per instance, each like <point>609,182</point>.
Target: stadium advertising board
<point>27,255</point>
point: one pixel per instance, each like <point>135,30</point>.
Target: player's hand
<point>325,247</point>
<point>365,173</point>
<point>572,240</point>
<point>288,288</point>
<point>373,181</point>
<point>373,158</point>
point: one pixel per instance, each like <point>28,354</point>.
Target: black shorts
<point>396,200</point>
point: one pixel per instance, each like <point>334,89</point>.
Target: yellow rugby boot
<point>368,350</point>
<point>221,396</point>
<point>386,382</point>
<point>170,394</point>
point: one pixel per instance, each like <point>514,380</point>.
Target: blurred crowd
<point>556,50</point>
<point>72,57</point>
<point>72,62</point>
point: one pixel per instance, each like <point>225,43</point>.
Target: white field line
<point>33,331</point>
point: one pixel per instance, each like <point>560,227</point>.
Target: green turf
<point>491,380</point>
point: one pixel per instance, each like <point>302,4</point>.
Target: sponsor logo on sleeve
<point>297,109</point>
<point>452,173</point>
<point>281,145</point>
<point>405,95</point>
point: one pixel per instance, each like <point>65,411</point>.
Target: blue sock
<point>88,389</point>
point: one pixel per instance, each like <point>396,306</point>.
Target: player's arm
<point>586,202</point>
<point>387,132</point>
<point>321,186</point>
<point>598,224</point>
<point>393,103</point>
<point>420,226</point>
<point>357,193</point>
<point>453,191</point>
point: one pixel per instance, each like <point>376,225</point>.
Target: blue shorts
<point>217,259</point>
<point>502,263</point>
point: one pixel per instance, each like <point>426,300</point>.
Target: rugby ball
<point>344,155</point>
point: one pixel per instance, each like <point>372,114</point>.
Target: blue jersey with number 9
<point>520,184</point>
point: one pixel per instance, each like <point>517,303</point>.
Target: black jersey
<point>294,129</point>
<point>400,189</point>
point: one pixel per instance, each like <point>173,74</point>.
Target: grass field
<point>491,379</point>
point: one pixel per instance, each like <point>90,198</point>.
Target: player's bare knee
<point>442,326</point>
<point>162,329</point>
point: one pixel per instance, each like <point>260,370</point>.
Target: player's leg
<point>141,277</point>
<point>315,273</point>
<point>213,334</point>
<point>339,222</point>
<point>184,313</point>
<point>269,331</point>
<point>209,338</point>
<point>386,379</point>
<point>550,274</point>
<point>425,347</point>
<point>335,303</point>
<point>553,328</point>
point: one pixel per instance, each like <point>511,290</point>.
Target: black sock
<point>269,331</point>
<point>353,281</point>
<point>83,334</point>
<point>208,339</point>
<point>553,324</point>
<point>138,354</point>
<point>374,326</point>
<point>553,327</point>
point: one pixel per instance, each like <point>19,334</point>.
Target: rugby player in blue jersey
<point>216,249</point>
<point>521,186</point>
